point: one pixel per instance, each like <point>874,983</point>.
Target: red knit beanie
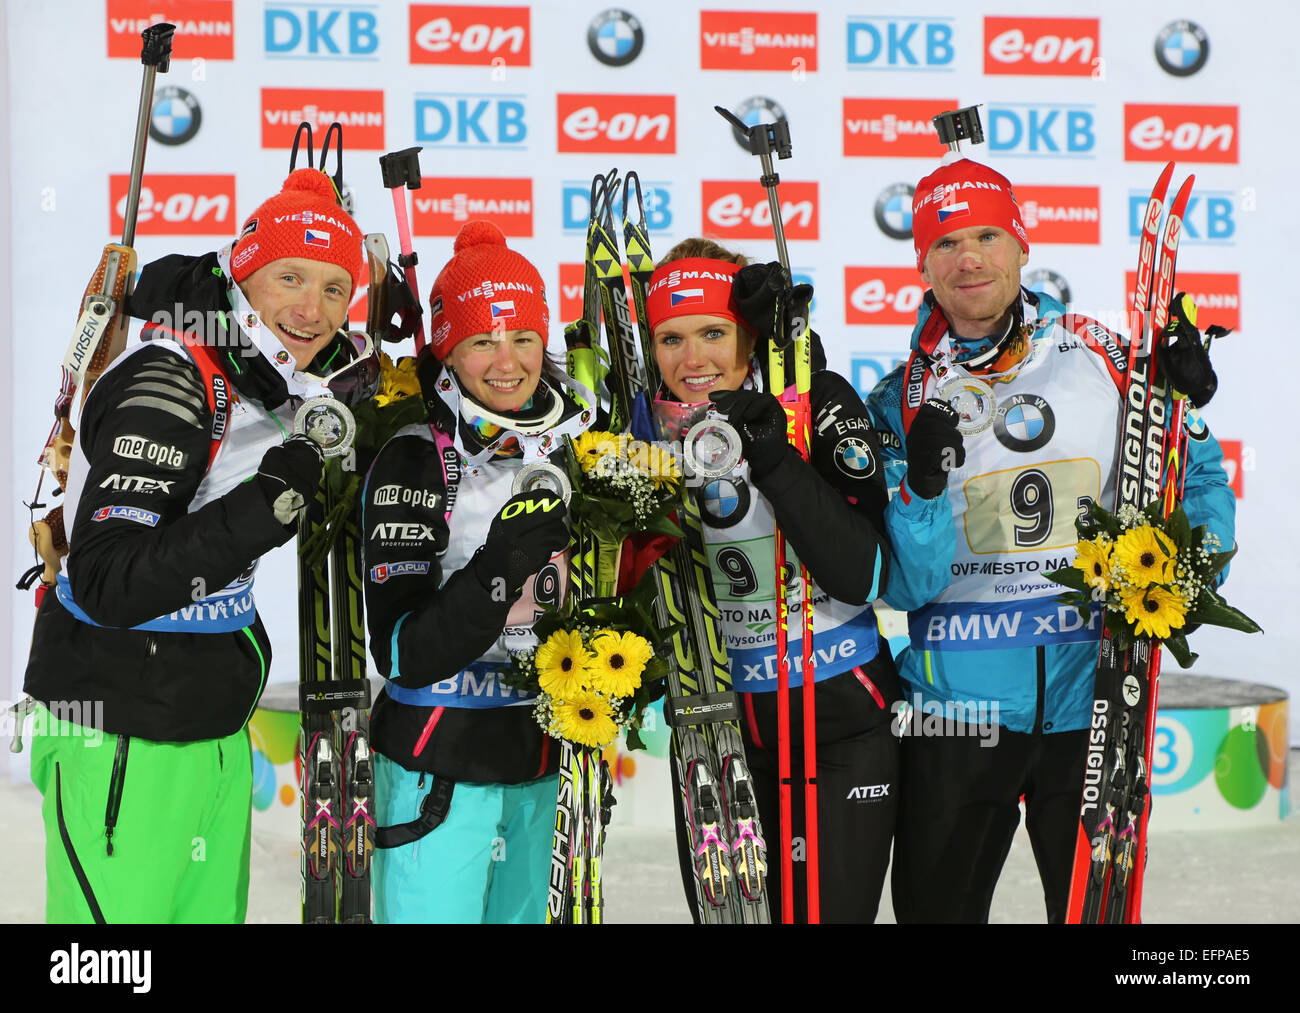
<point>485,286</point>
<point>303,220</point>
<point>958,195</point>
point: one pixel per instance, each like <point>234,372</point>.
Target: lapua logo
<point>1159,133</point>
<point>464,35</point>
<point>642,124</point>
<point>740,210</point>
<point>1059,47</point>
<point>882,295</point>
<point>175,204</point>
<point>205,29</point>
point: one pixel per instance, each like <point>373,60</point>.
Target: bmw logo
<point>615,37</point>
<point>755,110</point>
<point>1043,280</point>
<point>1024,423</point>
<point>1182,47</point>
<point>854,458</point>
<point>724,502</point>
<point>175,117</point>
<point>894,211</point>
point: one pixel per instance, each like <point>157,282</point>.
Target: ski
<point>1110,849</point>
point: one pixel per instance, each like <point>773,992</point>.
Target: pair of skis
<point>1110,850</point>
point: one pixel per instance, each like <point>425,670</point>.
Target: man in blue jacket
<point>1000,675</point>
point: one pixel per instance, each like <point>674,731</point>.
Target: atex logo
<point>1159,133</point>
<point>882,295</point>
<point>471,120</point>
<point>1042,130</point>
<point>740,209</point>
<point>360,111</point>
<point>757,40</point>
<point>875,127</point>
<point>175,204</point>
<point>613,124</point>
<point>446,203</point>
<point>1061,214</point>
<point>470,35</point>
<point>1217,295</point>
<point>1208,220</point>
<point>175,116</point>
<point>204,28</point>
<point>656,200</point>
<point>333,31</point>
<point>1060,47</point>
<point>884,43</point>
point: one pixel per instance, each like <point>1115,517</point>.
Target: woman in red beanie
<point>150,657</point>
<point>465,780</point>
<point>711,314</point>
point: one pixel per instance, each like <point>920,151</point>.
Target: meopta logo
<point>1061,214</point>
<point>740,210</point>
<point>360,111</point>
<point>1159,133</point>
<point>757,40</point>
<point>882,43</point>
<point>614,124</point>
<point>205,29</point>
<point>656,198</point>
<point>1217,296</point>
<point>139,448</point>
<point>177,204</point>
<point>445,203</point>
<point>470,36</point>
<point>1182,47</point>
<point>866,369</point>
<point>1059,47</point>
<point>882,295</point>
<point>406,568</point>
<point>900,128</point>
<point>754,110</point>
<point>175,116</point>
<point>572,277</point>
<point>471,121</point>
<point>326,32</point>
<point>1209,219</point>
<point>893,210</point>
<point>1042,130</point>
<point>615,37</point>
<point>397,495</point>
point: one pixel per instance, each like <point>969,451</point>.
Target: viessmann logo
<point>445,203</point>
<point>1057,47</point>
<point>360,111</point>
<point>613,124</point>
<point>470,35</point>
<point>176,204</point>
<point>740,210</point>
<point>571,280</point>
<point>204,28</point>
<point>1061,214</point>
<point>1217,295</point>
<point>893,127</point>
<point>757,40</point>
<point>1159,133</point>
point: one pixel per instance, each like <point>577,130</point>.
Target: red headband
<point>695,285</point>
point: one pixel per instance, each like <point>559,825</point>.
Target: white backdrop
<point>516,117</point>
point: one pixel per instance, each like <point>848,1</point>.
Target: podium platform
<point>1219,755</point>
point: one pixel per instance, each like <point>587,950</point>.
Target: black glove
<point>769,302</point>
<point>290,475</point>
<point>934,448</point>
<point>525,534</point>
<point>1186,362</point>
<point>760,421</point>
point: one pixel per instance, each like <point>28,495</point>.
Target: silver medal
<point>327,421</point>
<point>542,475</point>
<point>712,448</point>
<point>973,400</point>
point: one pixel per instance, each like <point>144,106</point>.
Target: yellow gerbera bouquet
<point>1154,577</point>
<point>593,670</point>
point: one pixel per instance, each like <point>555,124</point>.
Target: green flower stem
<point>608,554</point>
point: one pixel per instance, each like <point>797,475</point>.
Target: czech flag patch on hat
<point>958,210</point>
<point>686,295</point>
<point>502,310</point>
<point>313,237</point>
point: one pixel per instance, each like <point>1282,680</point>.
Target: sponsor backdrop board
<point>517,106</point>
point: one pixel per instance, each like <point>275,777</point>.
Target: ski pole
<point>763,140</point>
<point>401,172</point>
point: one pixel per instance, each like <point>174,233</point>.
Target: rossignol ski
<point>1110,850</point>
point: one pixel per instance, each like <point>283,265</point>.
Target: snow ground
<point>1219,876</point>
